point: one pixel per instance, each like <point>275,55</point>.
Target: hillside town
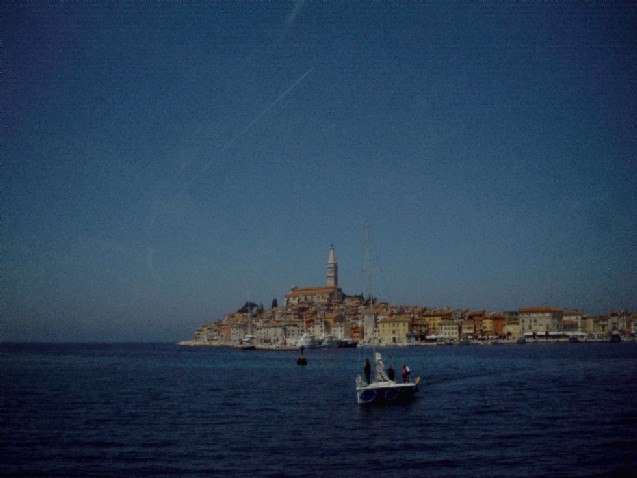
<point>328,314</point>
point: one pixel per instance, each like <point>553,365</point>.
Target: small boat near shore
<point>308,341</point>
<point>347,344</point>
<point>247,343</point>
<point>329,342</point>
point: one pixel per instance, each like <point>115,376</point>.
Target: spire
<point>332,268</point>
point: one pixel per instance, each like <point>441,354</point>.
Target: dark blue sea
<point>160,410</point>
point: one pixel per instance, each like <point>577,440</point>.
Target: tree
<point>248,306</point>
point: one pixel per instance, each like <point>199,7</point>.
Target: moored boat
<point>329,342</point>
<point>247,343</point>
<point>347,343</point>
<point>308,341</point>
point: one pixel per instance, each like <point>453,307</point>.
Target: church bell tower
<point>332,268</point>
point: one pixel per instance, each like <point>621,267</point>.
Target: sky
<point>164,162</point>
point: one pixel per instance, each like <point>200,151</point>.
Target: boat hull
<point>347,344</point>
<point>383,393</point>
<point>329,343</point>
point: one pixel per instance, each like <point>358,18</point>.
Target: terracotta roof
<point>318,290</point>
<point>539,309</point>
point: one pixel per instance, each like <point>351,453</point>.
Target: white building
<point>449,331</point>
<point>540,320</point>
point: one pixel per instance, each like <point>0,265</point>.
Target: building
<point>512,328</point>
<point>572,321</point>
<point>332,268</point>
<point>493,325</point>
<point>419,329</point>
<point>448,331</point>
<point>540,320</point>
<point>394,329</point>
<point>468,328</point>
<point>434,318</point>
<point>324,296</point>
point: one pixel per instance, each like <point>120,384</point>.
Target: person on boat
<point>406,374</point>
<point>367,368</point>
<point>390,372</point>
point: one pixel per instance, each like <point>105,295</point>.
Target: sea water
<point>160,410</point>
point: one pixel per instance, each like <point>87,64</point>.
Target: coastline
<point>289,348</point>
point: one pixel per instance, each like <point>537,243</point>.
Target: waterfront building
<point>572,321</point>
<point>493,325</point>
<point>338,329</point>
<point>468,328</point>
<point>600,326</point>
<point>587,325</point>
<point>419,328</point>
<point>270,333</point>
<point>207,334</point>
<point>448,331</point>
<point>394,329</point>
<point>540,320</point>
<point>356,331</point>
<point>316,328</point>
<point>477,318</point>
<point>512,328</point>
<point>292,332</point>
<point>237,332</point>
<point>617,321</point>
<point>434,318</point>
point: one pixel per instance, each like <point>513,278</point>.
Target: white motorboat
<point>308,341</point>
<point>247,343</point>
<point>382,390</point>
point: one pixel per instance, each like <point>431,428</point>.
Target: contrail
<point>269,107</point>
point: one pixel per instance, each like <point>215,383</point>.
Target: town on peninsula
<point>328,315</point>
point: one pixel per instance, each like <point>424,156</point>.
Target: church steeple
<point>332,268</point>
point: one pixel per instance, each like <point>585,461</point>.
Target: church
<point>330,293</point>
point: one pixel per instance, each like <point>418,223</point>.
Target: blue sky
<point>163,162</point>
